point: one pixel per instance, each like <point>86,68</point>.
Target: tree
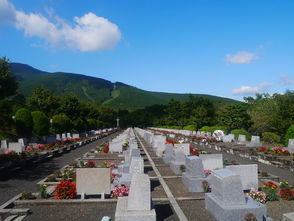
<point>70,105</point>
<point>41,123</point>
<point>234,116</point>
<point>43,100</point>
<point>61,123</point>
<point>79,125</point>
<point>8,83</point>
<point>24,122</point>
<point>92,124</point>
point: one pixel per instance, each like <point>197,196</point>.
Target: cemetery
<point>159,174</point>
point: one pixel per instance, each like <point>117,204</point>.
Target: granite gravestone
<point>255,142</point>
<point>212,161</point>
<point>227,200</point>
<point>168,153</point>
<point>248,174</point>
<point>229,138</point>
<point>4,145</point>
<point>241,139</point>
<point>177,161</point>
<point>185,147</point>
<point>115,146</point>
<point>93,181</point>
<point>137,206</point>
<point>17,147</point>
<point>194,174</point>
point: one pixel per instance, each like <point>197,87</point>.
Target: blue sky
<point>221,47</point>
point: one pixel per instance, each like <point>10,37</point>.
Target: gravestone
<point>248,174</point>
<point>255,142</point>
<point>168,153</point>
<point>185,147</point>
<point>23,141</point>
<point>229,138</point>
<point>63,136</point>
<point>212,161</point>
<point>68,135</point>
<point>4,145</point>
<point>241,139</point>
<point>194,174</point>
<point>198,133</point>
<point>115,146</point>
<point>227,200</point>
<point>58,137</point>
<point>93,181</point>
<point>137,206</point>
<point>178,161</point>
<point>74,136</point>
<point>17,147</point>
<point>290,146</point>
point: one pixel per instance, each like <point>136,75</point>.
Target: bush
<point>41,123</point>
<point>79,125</point>
<point>211,129</point>
<point>237,132</point>
<point>190,127</point>
<point>61,123</point>
<point>24,122</point>
<point>270,137</point>
<point>289,134</point>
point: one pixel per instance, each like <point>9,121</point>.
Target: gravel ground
<point>276,209</point>
<point>157,190</point>
<point>26,179</point>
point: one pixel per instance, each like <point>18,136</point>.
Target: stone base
<point>123,168</point>
<point>236,212</point>
<point>193,184</point>
<point>122,214</point>
<point>176,168</point>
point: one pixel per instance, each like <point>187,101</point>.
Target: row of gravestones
<point>19,146</point>
<point>137,206</point>
<point>227,200</point>
<point>241,139</point>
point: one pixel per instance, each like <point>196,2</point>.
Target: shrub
<point>237,132</point>
<point>289,134</point>
<point>65,189</point>
<point>24,122</point>
<point>92,124</point>
<point>190,127</point>
<point>270,137</point>
<point>41,123</point>
<point>61,123</point>
<point>79,125</point>
<point>211,129</point>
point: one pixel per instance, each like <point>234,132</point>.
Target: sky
<point>226,48</point>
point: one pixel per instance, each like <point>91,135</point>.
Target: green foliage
<point>24,122</point>
<point>61,123</point>
<point>271,138</point>
<point>8,83</point>
<point>213,128</point>
<point>289,134</point>
<point>70,105</point>
<point>92,124</point>
<point>42,99</point>
<point>237,132</point>
<point>41,123</point>
<point>234,116</point>
<point>190,127</point>
<point>79,125</point>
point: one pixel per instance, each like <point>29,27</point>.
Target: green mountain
<point>96,90</point>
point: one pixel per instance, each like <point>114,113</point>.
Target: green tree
<point>61,123</point>
<point>41,123</point>
<point>70,105</point>
<point>92,124</point>
<point>79,125</point>
<point>289,134</point>
<point>43,100</point>
<point>24,122</point>
<point>8,83</point>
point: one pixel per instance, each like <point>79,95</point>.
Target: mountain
<point>96,90</point>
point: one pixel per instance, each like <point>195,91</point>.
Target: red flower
<point>65,189</point>
<point>90,164</point>
<point>262,149</point>
<point>106,149</point>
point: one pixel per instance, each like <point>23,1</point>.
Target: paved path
<point>26,179</point>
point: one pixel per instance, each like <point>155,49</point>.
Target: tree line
<point>270,116</point>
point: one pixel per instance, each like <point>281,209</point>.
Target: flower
<point>119,191</point>
<point>259,196</point>
<point>65,189</point>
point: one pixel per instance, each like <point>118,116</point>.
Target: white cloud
<point>286,80</point>
<point>7,12</point>
<point>88,33</point>
<point>250,90</point>
<point>241,57</point>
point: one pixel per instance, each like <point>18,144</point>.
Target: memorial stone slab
<point>23,141</point>
<point>185,147</point>
<point>74,136</point>
<point>212,161</point>
<point>241,139</point>
<point>137,165</point>
<point>93,181</point>
<point>4,144</point>
<point>178,160</point>
<point>17,147</point>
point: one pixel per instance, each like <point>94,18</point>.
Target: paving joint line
<point>169,194</point>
